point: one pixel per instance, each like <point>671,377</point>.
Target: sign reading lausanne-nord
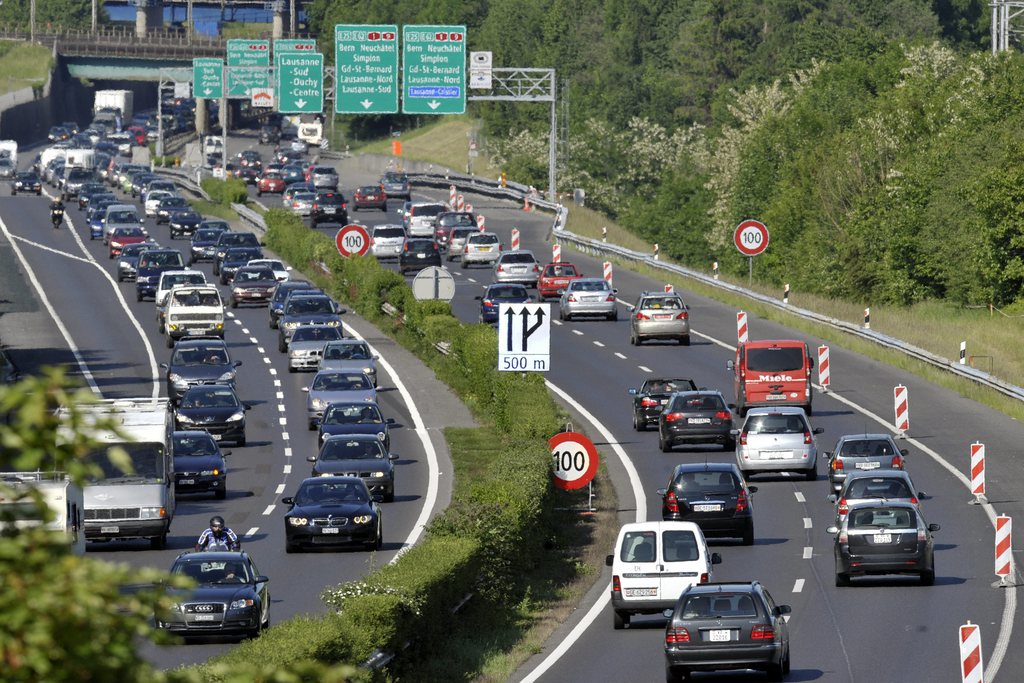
<point>434,69</point>
<point>366,59</point>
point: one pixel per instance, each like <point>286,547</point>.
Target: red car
<point>554,278</point>
<point>139,133</point>
<point>369,197</point>
<point>122,237</point>
<point>270,181</point>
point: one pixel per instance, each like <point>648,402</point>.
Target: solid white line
<point>798,585</point>
<point>799,497</point>
<point>645,368</point>
<point>251,532</point>
<point>270,508</point>
<point>37,245</point>
<point>808,552</point>
<point>597,343</point>
<point>577,332</point>
<point>469,279</point>
<point>807,522</point>
<point>280,489</point>
<point>620,355</point>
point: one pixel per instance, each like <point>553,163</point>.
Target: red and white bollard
<point>460,203</point>
<point>963,353</point>
<point>785,294</point>
<point>1004,549</point>
<point>468,208</point>
<point>669,289</point>
<point>608,272</point>
<point>480,221</point>
<point>978,472</point>
<point>515,239</point>
<point>526,203</point>
<point>867,318</point>
<point>556,253</point>
<point>824,371</point>
<point>452,196</point>
<point>742,333</point>
<point>972,667</point>
<point>901,404</point>
<point>657,249</point>
<point>714,269</point>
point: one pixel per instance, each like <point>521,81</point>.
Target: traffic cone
<point>526,203</point>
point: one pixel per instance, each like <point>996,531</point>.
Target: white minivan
<point>654,562</point>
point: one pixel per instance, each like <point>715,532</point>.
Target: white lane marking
<point>273,371</point>
<point>799,497</point>
<point>645,368</point>
<point>280,407</point>
<point>288,452</point>
<point>37,245</point>
<point>798,585</point>
<point>238,322</point>
<point>245,330</point>
<point>641,515</point>
<point>251,532</point>
<point>807,522</point>
<point>277,383</point>
<point>279,395</point>
<point>270,508</point>
<point>230,314</point>
<point>597,343</point>
<point>557,322</point>
<point>266,360</point>
<point>287,469</point>
<point>420,429</point>
<point>469,279</point>
<point>260,349</point>
<point>280,489</point>
<point>577,332</point>
<point>283,421</point>
<point>284,436</point>
<point>620,355</point>
<point>808,552</point>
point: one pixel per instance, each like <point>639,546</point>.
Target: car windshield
<point>205,572</point>
<point>394,178</point>
<point>220,226</point>
<point>195,298</point>
<point>254,275</point>
<point>161,259</point>
<point>662,302</point>
<point>702,482</point>
<point>866,448</point>
<point>237,239</point>
<point>204,397</point>
<point>271,175</point>
<point>122,217</point>
<point>338,381</point>
<point>185,445</point>
<point>775,423</point>
<point>353,414</point>
<point>719,606</point>
<point>240,254</point>
<point>206,235</point>
<point>775,359</point>
<point>316,333</point>
<point>877,487</point>
<point>357,351</point>
<point>319,493</point>
<point>350,449</point>
<point>129,232</point>
<point>667,386</point>
<point>882,518</point>
<point>309,305</point>
<point>200,356</point>
<point>168,202</point>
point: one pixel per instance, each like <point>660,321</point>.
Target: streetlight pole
<point>32,20</point>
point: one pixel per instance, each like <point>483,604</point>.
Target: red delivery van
<point>772,373</point>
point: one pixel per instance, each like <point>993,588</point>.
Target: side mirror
<point>305,390</point>
<point>478,298</point>
<point>311,458</point>
<point>288,500</point>
<point>921,495</point>
<point>246,406</point>
<point>934,527</point>
<point>731,406</point>
<point>832,530</point>
<point>751,489</point>
<point>783,609</point>
<point>716,558</point>
<point>163,365</point>
<point>615,291</point>
<point>262,579</point>
<point>668,613</point>
<point>730,365</point>
<point>828,454</point>
<point>393,457</point>
<point>734,432</point>
<point>661,492</point>
<point>608,560</point>
<point>832,498</point>
<point>818,430</point>
<point>237,363</point>
<point>632,392</point>
<point>904,452</point>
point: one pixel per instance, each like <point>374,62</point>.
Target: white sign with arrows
<point>524,337</point>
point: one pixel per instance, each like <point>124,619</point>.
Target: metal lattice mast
<point>1003,14</point>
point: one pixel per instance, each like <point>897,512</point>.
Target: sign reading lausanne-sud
<point>434,69</point>
<point>300,83</point>
<point>366,63</point>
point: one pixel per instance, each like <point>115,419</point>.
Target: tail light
<point>672,417</point>
<point>913,499</point>
<point>316,207</point>
<point>676,634</point>
<point>671,502</point>
<point>344,205</point>
<point>649,403</point>
<point>922,535</point>
<point>844,537</point>
<point>807,438</point>
<point>741,501</point>
<point>723,415</point>
<point>501,247</point>
<point>705,577</point>
<point>611,297</point>
<point>844,507</point>
<point>743,438</point>
<point>536,268</point>
<point>616,585</point>
<point>762,632</point>
<point>897,462</point>
<point>488,303</point>
<point>500,268</point>
<point>435,246</point>
<point>572,298</point>
<point>641,316</point>
<point>837,464</point>
<point>683,316</point>
<point>465,249</point>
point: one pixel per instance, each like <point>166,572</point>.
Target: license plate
<point>662,316</point>
<point>252,295</point>
<point>882,538</point>
<point>664,401</point>
<point>777,455</point>
<point>195,331</point>
<point>186,482</point>
<point>867,465</point>
<point>331,530</point>
<point>699,420</point>
<point>109,529</point>
<point>720,635</point>
<point>641,592</point>
<point>421,256</point>
<point>707,507</point>
<point>775,397</point>
<point>205,617</point>
<point>484,248</point>
<point>328,210</point>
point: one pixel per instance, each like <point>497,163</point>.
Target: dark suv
<point>417,254</point>
<point>232,239</point>
<point>195,361</point>
<point>712,495</point>
<point>651,396</point>
<point>329,207</point>
<point>695,417</point>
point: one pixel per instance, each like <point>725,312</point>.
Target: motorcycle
<point>215,544</point>
<point>56,216</point>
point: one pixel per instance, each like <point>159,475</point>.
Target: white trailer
<point>62,497</point>
<point>121,100</point>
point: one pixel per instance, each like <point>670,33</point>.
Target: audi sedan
<point>215,408</point>
<point>183,223</point>
<point>712,495</point>
<point>199,465</point>
<point>358,455</point>
<point>587,296</point>
<point>884,538</point>
<point>169,205</point>
<point>336,386</point>
<point>695,417</point>
<point>356,418</point>
<point>332,512</point>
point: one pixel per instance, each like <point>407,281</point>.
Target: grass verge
<point>23,65</point>
<point>444,143</point>
<point>207,208</point>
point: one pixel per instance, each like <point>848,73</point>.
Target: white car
<point>169,279</point>
<point>281,271</point>
<point>387,241</point>
<point>777,439</point>
<point>422,217</point>
<point>153,201</point>
<point>481,247</point>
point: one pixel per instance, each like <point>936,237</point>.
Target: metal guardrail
<point>252,218</point>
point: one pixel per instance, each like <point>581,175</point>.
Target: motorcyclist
<point>57,211</point>
<point>218,537</point>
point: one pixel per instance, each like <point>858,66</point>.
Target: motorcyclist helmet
<point>217,523</point>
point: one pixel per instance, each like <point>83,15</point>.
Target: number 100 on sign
<point>574,460</point>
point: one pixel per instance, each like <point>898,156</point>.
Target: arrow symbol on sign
<point>300,103</point>
<point>529,331</point>
<point>433,104</point>
<point>366,104</point>
<point>207,91</point>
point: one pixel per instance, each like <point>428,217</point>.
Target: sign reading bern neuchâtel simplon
<point>434,69</point>
<point>366,59</point>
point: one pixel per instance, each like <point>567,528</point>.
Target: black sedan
<point>332,511</point>
<point>695,417</point>
<point>215,408</point>
<point>884,538</point>
<point>26,182</point>
<point>204,241</point>
<point>417,254</point>
<point>355,418</point>
<point>230,597</point>
<point>199,361</point>
<point>726,626</point>
<point>199,465</point>
<point>712,495</point>
<point>128,260</point>
<point>183,223</point>
<point>358,455</point>
<point>252,285</point>
<point>169,205</point>
<point>88,190</point>
<point>498,294</point>
<point>652,395</point>
<point>234,258</point>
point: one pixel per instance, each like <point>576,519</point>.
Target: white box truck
<point>121,100</point>
<point>139,503</point>
<point>61,495</point>
<point>9,150</point>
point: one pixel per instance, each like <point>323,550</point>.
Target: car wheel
<point>842,579</point>
<point>774,672</point>
<point>159,542</point>
<point>170,342</point>
<point>614,316</point>
<point>234,303</point>
<point>120,278</point>
<point>620,620</point>
<point>110,255</point>
<point>786,664</point>
<point>675,675</point>
<point>638,424</point>
<point>290,548</point>
<point>685,341</point>
<point>729,445</point>
<point>291,369</point>
<point>632,338</point>
<point>928,577</point>
<point>216,269</point>
<point>222,493</point>
<point>665,445</point>
<point>138,295</point>
<point>389,497</point>
<point>748,534</point>
<point>281,345</point>
<point>808,410</point>
<point>259,193</point>
<point>241,441</point>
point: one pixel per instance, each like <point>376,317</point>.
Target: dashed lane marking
<point>808,552</point>
<point>270,508</point>
<point>620,355</point>
<point>798,585</point>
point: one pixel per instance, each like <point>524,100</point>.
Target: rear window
<point>878,488</point>
<point>775,359</point>
<point>719,605</point>
<point>426,210</point>
<point>680,546</point>
<point>639,546</point>
<point>866,448</point>
<point>697,403</point>
<point>389,232</point>
<point>882,518</point>
<point>775,424</point>
<point>160,259</point>
<point>589,286</point>
<point>482,239</point>
<point>706,482</point>
<point>662,302</point>
<point>555,270</point>
<point>518,258</point>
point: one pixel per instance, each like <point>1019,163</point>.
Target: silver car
<point>517,266</point>
<point>457,242</point>
<point>396,185</point>
<point>874,487</point>
<point>777,440</point>
<point>481,247</point>
<point>336,386</point>
<point>307,345</point>
<point>351,355</point>
<point>421,218</point>
<point>324,178</point>
<point>302,203</point>
<point>659,315</point>
<point>588,296</point>
<point>387,241</point>
<point>863,453</point>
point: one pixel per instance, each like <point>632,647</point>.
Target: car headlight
<point>369,371</point>
<point>152,513</point>
<point>381,435</point>
<point>333,323</point>
<point>241,603</point>
<point>183,418</point>
<point>377,474</point>
<point>210,473</point>
<point>236,417</point>
<point>298,521</point>
<point>291,325</point>
<point>362,519</point>
<point>175,378</point>
<point>326,474</point>
<point>319,404</point>
<point>227,377</point>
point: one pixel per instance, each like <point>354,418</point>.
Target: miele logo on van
<point>775,378</point>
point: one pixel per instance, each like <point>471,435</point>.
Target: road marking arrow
<point>300,103</point>
<point>366,103</point>
<point>433,104</point>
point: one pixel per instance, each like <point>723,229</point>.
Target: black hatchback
<point>419,254</point>
<point>712,495</point>
<point>329,207</point>
<point>695,417</point>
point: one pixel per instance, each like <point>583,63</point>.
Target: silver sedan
<point>336,386</point>
<point>588,296</point>
<point>350,355</point>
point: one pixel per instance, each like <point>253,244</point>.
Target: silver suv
<point>659,315</point>
<point>324,178</point>
<point>481,247</point>
<point>777,440</point>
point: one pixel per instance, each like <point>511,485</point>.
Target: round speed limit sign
<point>352,240</point>
<point>575,460</point>
<point>751,237</point>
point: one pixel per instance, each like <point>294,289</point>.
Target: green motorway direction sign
<point>305,45</point>
<point>242,80</point>
<point>434,69</point>
<point>246,52</point>
<point>300,83</point>
<point>366,69</point>
<point>208,78</point>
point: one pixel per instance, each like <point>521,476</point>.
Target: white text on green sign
<point>366,74</point>
<point>208,77</point>
<point>245,52</point>
<point>434,70</point>
<point>242,80</point>
<point>300,83</point>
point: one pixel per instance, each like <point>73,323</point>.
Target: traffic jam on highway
<point>728,445</point>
